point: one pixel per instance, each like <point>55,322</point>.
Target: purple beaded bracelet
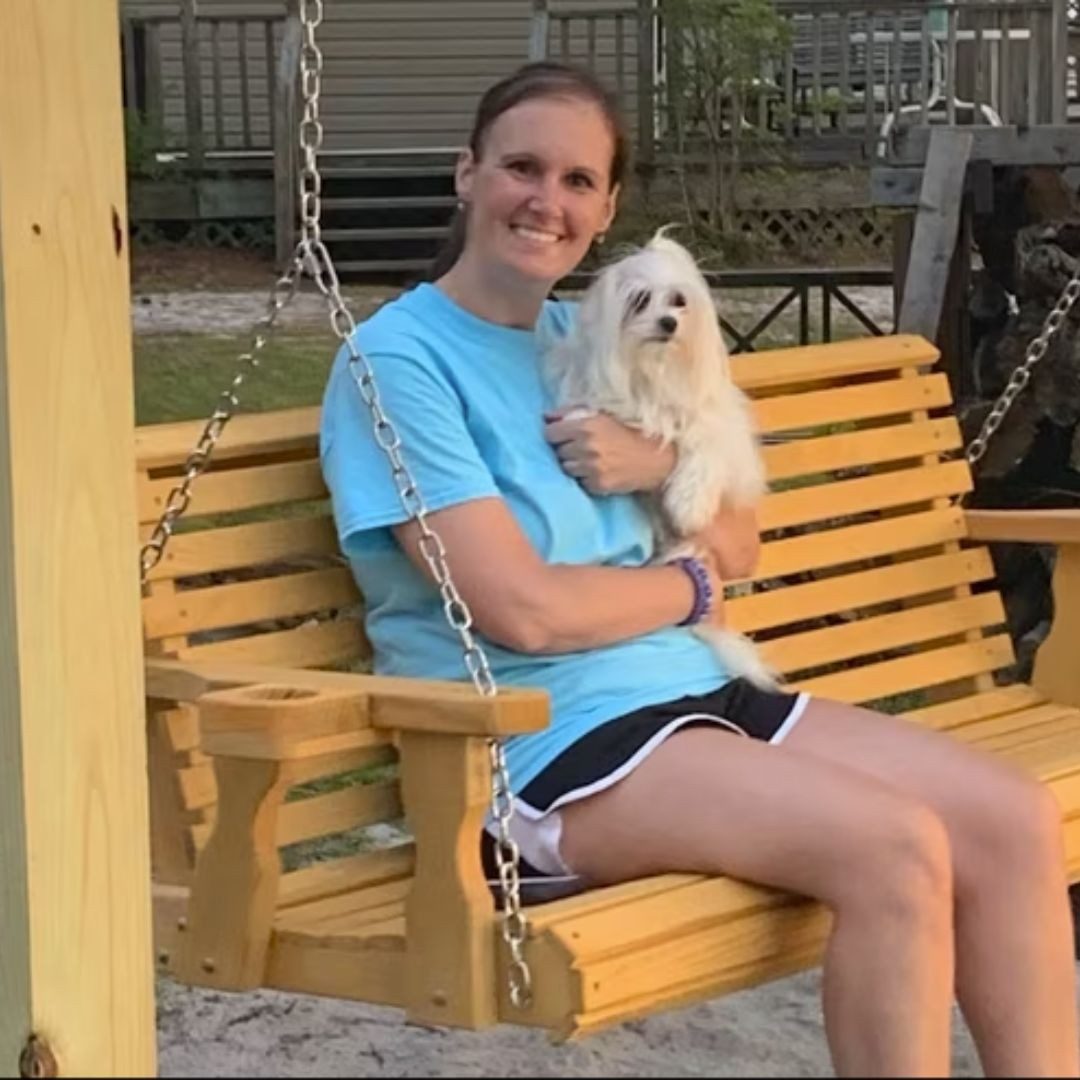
<point>703,590</point>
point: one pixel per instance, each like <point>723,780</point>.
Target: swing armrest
<point>377,701</point>
<point>1024,526</point>
<point>265,738</point>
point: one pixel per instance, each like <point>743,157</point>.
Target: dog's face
<point>655,309</point>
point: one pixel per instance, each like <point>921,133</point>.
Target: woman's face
<point>540,192</point>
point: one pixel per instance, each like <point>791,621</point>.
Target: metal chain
<point>313,258</point>
<point>1019,379</point>
<point>320,267</point>
<point>180,497</point>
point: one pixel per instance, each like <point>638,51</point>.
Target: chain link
<point>180,497</point>
<point>313,258</point>
<point>1019,379</point>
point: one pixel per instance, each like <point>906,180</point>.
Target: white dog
<point>647,349</point>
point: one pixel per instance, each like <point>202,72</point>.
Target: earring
<point>461,204</point>
<point>599,239</point>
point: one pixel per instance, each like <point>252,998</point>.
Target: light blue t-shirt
<point>467,398</point>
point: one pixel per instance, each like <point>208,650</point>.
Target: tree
<point>722,59</point>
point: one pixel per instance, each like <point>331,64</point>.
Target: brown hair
<point>543,79</point>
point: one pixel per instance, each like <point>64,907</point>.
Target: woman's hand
<point>606,456</point>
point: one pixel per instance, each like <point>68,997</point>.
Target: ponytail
<point>453,246</point>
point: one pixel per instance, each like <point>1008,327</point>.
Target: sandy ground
<point>771,1031</point>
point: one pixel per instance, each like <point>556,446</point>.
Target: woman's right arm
<point>523,603</point>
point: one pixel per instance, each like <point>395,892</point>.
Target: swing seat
<point>280,777</point>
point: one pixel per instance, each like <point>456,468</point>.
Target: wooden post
<point>450,976</point>
<point>193,116</point>
<point>1059,61</point>
<point>646,86</point>
<point>538,30</point>
<point>936,228</point>
<point>1055,662</point>
<point>903,231</point>
<point>76,961</point>
<point>954,327</point>
<point>286,134</point>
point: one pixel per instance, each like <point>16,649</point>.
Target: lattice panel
<point>817,229</point>
<point>238,235</point>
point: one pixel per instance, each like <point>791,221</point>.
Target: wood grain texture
<point>75,934</point>
<point>1057,673</point>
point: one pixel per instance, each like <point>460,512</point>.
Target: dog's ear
<point>705,335</point>
<point>600,331</point>
<point>601,314</point>
<point>662,232</point>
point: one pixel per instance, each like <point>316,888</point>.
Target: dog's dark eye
<point>639,301</point>
<point>678,300</point>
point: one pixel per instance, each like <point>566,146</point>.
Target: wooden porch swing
<point>868,572</point>
<point>872,588</point>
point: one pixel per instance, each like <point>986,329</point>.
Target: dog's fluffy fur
<point>647,349</point>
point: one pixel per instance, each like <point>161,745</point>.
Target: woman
<point>943,867</point>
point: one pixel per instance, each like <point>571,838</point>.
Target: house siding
<point>403,75</point>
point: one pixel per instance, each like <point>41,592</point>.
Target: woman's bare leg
<point>709,801</point>
<point>1016,976</point>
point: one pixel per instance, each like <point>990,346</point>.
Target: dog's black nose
<point>668,324</point>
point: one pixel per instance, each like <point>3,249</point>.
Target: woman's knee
<point>1013,826</point>
<point>906,870</point>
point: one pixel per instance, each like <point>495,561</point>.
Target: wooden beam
<point>1045,144</point>
<point>76,960</point>
<point>1024,526</point>
<point>901,187</point>
<point>935,232</point>
<point>202,198</point>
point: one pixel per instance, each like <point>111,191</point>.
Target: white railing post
<point>538,31</point>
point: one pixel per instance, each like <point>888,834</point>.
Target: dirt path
<point>235,312</point>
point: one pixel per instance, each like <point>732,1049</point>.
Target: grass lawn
<point>180,377</point>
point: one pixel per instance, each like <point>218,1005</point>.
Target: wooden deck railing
<point>853,71</point>
<point>616,40</point>
<point>227,65</point>
<point>870,66</point>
